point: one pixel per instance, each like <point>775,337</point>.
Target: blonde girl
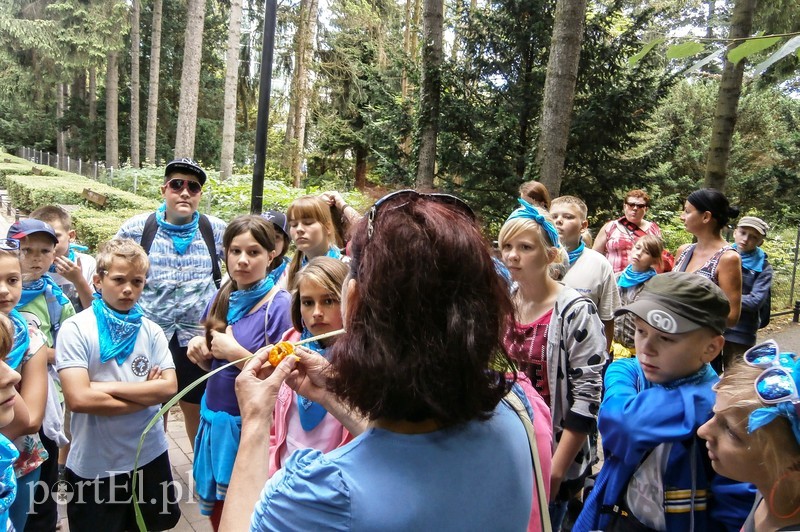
<point>754,435</point>
<point>255,312</point>
<point>299,423</point>
<point>644,259</point>
<point>557,339</point>
<point>312,231</point>
<point>29,358</point>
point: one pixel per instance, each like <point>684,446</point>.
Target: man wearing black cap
<point>185,249</point>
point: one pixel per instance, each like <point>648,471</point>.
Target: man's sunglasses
<point>177,185</point>
<point>447,199</point>
<point>776,383</point>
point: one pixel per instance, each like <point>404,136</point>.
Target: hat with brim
<point>187,166</point>
<point>278,219</point>
<point>31,226</point>
<point>680,302</point>
<point>756,223</point>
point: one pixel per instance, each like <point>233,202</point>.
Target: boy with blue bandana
<point>45,307</point>
<point>656,473</point>
<point>185,250</point>
<point>756,286</point>
<point>116,370</point>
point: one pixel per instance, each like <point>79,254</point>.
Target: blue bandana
<point>242,301</point>
<point>275,274</point>
<point>8,480</point>
<point>21,339</point>
<point>311,413</point>
<point>576,253</point>
<point>333,252</point>
<point>33,289</point>
<point>182,235</point>
<point>753,260</point>
<point>70,255</point>
<point>630,278</point>
<point>529,212</point>
<point>117,331</point>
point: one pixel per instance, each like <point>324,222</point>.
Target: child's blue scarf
<point>333,252</point>
<point>33,289</point>
<point>117,331</point>
<point>630,278</point>
<point>311,413</point>
<point>241,301</point>
<point>275,274</point>
<point>21,339</point>
<point>182,235</point>
<point>754,260</point>
<point>8,480</point>
<point>576,253</point>
<point>70,255</point>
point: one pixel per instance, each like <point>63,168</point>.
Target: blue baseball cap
<point>30,226</point>
<point>278,219</point>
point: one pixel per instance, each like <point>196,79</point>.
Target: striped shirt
<point>178,287</point>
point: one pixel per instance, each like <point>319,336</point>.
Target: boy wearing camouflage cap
<point>756,288</point>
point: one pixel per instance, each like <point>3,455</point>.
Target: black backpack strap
<point>208,237</point>
<point>149,232</point>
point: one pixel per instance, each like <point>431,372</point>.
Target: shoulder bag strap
<point>208,237</point>
<point>149,233</point>
<point>544,511</point>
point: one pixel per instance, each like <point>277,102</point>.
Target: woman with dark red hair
<point>615,239</point>
<point>415,377</point>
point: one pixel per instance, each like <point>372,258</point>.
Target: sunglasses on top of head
<point>9,244</point>
<point>778,382</point>
<point>177,185</point>
<point>447,199</point>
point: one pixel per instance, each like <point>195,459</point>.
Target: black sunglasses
<point>9,244</point>
<point>176,185</point>
<point>633,205</point>
<point>447,199</point>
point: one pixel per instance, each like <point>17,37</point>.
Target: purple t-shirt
<point>251,334</point>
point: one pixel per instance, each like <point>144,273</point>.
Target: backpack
<point>204,224</point>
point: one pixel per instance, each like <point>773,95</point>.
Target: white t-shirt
<point>593,277</point>
<point>106,445</point>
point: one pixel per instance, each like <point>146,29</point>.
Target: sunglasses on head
<point>633,205</point>
<point>9,244</point>
<point>447,199</point>
<point>177,185</point>
<point>776,383</point>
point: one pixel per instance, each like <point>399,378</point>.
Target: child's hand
<point>333,199</point>
<point>71,271</point>
<point>155,373</point>
<point>225,347</point>
<point>197,351</point>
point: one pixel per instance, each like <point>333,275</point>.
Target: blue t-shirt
<point>474,477</point>
<point>253,332</point>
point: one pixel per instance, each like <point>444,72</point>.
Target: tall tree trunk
<point>430,91</point>
<point>77,94</point>
<point>134,118</point>
<point>231,77</point>
<point>730,88</point>
<point>415,30</point>
<point>93,108</point>
<point>61,135</point>
<point>152,97</point>
<point>406,50</point>
<point>112,101</point>
<point>361,167</point>
<point>307,37</point>
<point>559,91</point>
<point>190,79</point>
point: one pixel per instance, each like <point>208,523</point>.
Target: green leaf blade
<point>750,47</point>
<point>685,49</point>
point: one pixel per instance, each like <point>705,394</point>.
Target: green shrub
<point>30,192</point>
<point>94,227</point>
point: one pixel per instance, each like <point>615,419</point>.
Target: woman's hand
<point>197,351</point>
<point>310,376</point>
<point>333,199</point>
<point>258,384</point>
